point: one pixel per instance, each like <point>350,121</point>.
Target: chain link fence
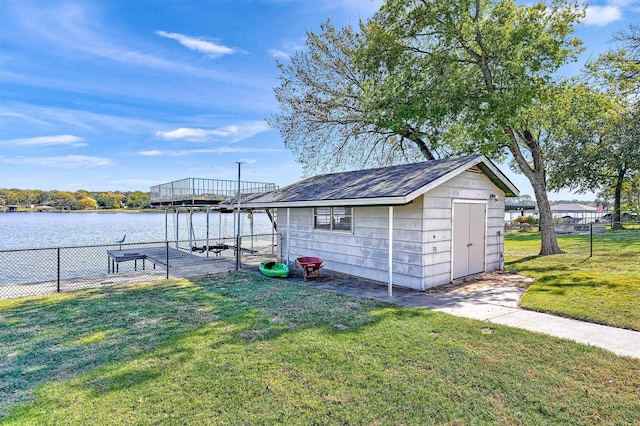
<point>587,240</point>
<point>31,272</point>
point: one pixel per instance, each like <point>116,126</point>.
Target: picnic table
<point>117,256</point>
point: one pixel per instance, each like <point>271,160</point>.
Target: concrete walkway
<point>497,304</point>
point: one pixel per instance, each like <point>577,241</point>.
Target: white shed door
<point>468,238</point>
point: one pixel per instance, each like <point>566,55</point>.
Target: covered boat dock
<point>191,195</point>
<point>204,192</point>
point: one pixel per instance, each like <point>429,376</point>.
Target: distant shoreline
<point>107,211</point>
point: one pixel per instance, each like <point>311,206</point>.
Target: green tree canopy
<point>599,129</point>
<point>87,203</point>
<point>138,200</point>
<point>80,199</point>
<point>322,118</point>
<point>481,73</point>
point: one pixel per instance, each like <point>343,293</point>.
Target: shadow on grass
<point>573,273</point>
<point>525,264</point>
<point>59,337</point>
<point>523,259</point>
<point>124,380</point>
<point>560,285</point>
<point>280,353</point>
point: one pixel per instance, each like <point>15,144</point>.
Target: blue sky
<point>126,94</point>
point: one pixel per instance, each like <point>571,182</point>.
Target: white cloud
<point>82,120</point>
<point>622,3</point>
<point>189,134</point>
<point>232,150</point>
<point>279,54</point>
<point>69,161</point>
<point>220,150</point>
<point>76,27</point>
<point>198,44</point>
<point>139,182</point>
<point>600,16</point>
<point>233,133</point>
<point>24,117</point>
<point>287,49</point>
<point>74,141</point>
<point>79,30</point>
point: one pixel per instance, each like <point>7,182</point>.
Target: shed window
<point>333,218</point>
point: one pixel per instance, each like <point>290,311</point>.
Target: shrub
<point>526,219</point>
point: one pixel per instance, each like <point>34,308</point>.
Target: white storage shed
<point>416,225</point>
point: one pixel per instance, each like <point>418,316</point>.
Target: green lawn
<point>241,349</point>
<point>604,288</point>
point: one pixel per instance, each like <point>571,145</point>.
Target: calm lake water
<point>35,230</point>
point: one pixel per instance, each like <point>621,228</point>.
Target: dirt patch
<point>483,281</point>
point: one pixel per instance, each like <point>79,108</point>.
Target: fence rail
<point>588,240</point>
<point>38,271</point>
<point>205,190</point>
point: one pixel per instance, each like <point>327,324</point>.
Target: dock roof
<point>572,207</point>
<point>198,191</point>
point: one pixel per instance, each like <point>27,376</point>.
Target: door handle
<point>469,245</point>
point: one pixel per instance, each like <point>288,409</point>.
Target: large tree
<point>630,200</point>
<point>138,200</point>
<point>630,44</point>
<point>599,146</point>
<point>484,70</point>
<point>432,78</point>
<point>600,126</point>
<point>322,118</point>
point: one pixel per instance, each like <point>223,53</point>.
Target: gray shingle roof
<point>378,183</point>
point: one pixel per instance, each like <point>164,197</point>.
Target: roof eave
<point>497,177</point>
<point>350,202</point>
<point>487,167</point>
<point>492,172</point>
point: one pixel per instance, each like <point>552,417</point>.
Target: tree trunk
<point>420,143</point>
<point>616,221</point>
<point>537,177</point>
<point>547,231</point>
<point>426,152</point>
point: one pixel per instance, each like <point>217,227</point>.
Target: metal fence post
<point>591,239</point>
<point>58,286</point>
<point>167,264</point>
<point>238,252</point>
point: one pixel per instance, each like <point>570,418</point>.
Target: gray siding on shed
<point>364,252</point>
<point>422,249</point>
<point>437,224</point>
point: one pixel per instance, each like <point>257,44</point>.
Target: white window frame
<point>332,219</point>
